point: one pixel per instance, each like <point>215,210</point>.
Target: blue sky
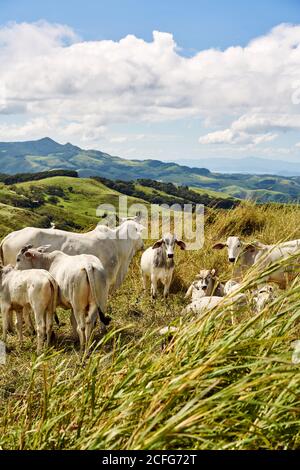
<point>158,100</point>
<point>195,24</point>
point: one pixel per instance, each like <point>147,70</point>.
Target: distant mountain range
<point>251,165</point>
<point>46,154</point>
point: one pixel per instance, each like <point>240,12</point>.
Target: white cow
<point>263,296</point>
<point>114,247</point>
<point>231,286</point>
<point>82,282</point>
<point>206,284</point>
<point>260,255</point>
<point>157,263</point>
<point>205,304</point>
<point>21,292</point>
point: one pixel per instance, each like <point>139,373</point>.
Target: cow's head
<point>133,231</point>
<point>206,278</point>
<point>168,241</point>
<point>235,247</point>
<point>28,254</point>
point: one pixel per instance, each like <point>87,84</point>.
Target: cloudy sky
<point>171,80</point>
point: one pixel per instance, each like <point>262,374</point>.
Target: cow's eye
<point>18,259</point>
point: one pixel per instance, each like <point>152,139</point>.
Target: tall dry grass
<point>216,386</point>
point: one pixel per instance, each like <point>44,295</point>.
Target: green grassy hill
<point>70,203</point>
<point>46,154</point>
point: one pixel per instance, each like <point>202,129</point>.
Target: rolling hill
<point>71,202</point>
<point>46,154</point>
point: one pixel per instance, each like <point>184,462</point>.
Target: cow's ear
<point>25,248</point>
<point>157,244</point>
<point>181,244</point>
<point>219,246</point>
<point>250,247</point>
<point>42,249</point>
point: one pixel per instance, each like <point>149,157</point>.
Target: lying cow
<point>231,286</point>
<point>205,304</point>
<point>263,296</point>
<point>157,263</point>
<point>82,285</point>
<point>34,290</point>
<point>260,255</point>
<point>206,284</point>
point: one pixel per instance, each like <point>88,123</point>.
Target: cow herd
<point>42,269</point>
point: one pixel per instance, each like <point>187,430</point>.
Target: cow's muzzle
<point>232,260</point>
<point>170,255</point>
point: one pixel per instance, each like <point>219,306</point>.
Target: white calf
<point>82,285</point>
<point>157,263</point>
<point>22,291</point>
<point>231,286</point>
<point>204,304</point>
<point>262,297</point>
<point>206,284</point>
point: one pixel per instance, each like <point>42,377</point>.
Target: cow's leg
<point>144,278</point>
<point>49,325</point>
<point>40,328</point>
<point>28,320</point>
<point>74,326</point>
<point>5,320</point>
<point>11,323</point>
<point>168,281</point>
<point>19,325</point>
<point>90,321</point>
<point>153,286</point>
<point>80,320</point>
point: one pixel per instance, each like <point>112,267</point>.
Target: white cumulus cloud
<point>53,82</point>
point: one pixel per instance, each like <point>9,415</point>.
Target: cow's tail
<point>91,278</point>
<point>1,249</point>
<point>54,297</point>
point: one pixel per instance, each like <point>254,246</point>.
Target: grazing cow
<point>260,255</point>
<point>157,263</point>
<point>206,284</point>
<point>21,292</point>
<point>262,297</point>
<point>82,285</point>
<point>114,247</point>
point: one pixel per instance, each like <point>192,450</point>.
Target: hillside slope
<point>70,203</point>
<point>216,386</point>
